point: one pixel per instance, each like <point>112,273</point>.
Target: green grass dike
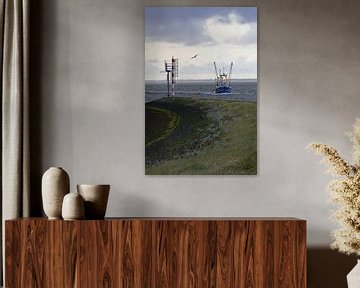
<point>187,136</point>
<point>163,122</point>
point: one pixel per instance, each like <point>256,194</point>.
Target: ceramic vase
<point>73,207</point>
<point>96,198</point>
<point>353,278</point>
<point>55,185</point>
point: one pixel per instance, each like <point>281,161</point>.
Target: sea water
<point>242,90</point>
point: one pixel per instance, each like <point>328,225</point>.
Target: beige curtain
<point>14,27</point>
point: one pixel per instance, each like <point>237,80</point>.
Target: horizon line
<point>203,79</point>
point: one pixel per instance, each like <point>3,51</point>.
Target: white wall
<point>92,121</point>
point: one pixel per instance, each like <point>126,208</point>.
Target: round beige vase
<point>96,198</point>
<point>73,207</point>
<point>55,185</point>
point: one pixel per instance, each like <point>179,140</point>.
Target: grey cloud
<point>189,32</point>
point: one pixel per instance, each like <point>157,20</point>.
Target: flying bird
<point>193,57</point>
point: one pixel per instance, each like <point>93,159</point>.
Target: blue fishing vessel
<point>222,80</point>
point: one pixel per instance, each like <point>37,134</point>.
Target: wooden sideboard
<point>156,252</point>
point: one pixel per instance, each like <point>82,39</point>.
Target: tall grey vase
<point>55,185</point>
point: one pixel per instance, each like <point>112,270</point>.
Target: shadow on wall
<point>328,268</point>
<point>45,47</point>
<point>35,59</point>
<point>140,207</point>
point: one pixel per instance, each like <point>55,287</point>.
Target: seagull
<point>193,57</point>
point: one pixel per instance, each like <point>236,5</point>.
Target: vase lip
<point>93,185</point>
<point>55,167</point>
<point>73,194</point>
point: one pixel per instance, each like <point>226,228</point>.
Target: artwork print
<point>200,90</point>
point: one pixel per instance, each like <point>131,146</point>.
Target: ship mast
<point>216,72</point>
<point>231,65</point>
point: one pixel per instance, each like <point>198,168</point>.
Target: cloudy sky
<point>221,34</point>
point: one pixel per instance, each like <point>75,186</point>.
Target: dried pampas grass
<point>345,192</point>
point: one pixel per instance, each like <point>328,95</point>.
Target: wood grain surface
<point>158,252</point>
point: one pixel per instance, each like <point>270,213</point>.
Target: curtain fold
<point>15,162</point>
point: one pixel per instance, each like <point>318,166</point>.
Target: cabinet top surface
<point>174,219</point>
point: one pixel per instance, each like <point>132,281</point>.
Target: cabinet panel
<point>156,252</point>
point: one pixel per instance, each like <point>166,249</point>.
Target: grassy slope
<point>212,137</point>
<point>164,121</point>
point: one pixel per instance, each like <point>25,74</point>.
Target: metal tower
<point>172,68</point>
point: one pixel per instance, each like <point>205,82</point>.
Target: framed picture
<point>200,90</point>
